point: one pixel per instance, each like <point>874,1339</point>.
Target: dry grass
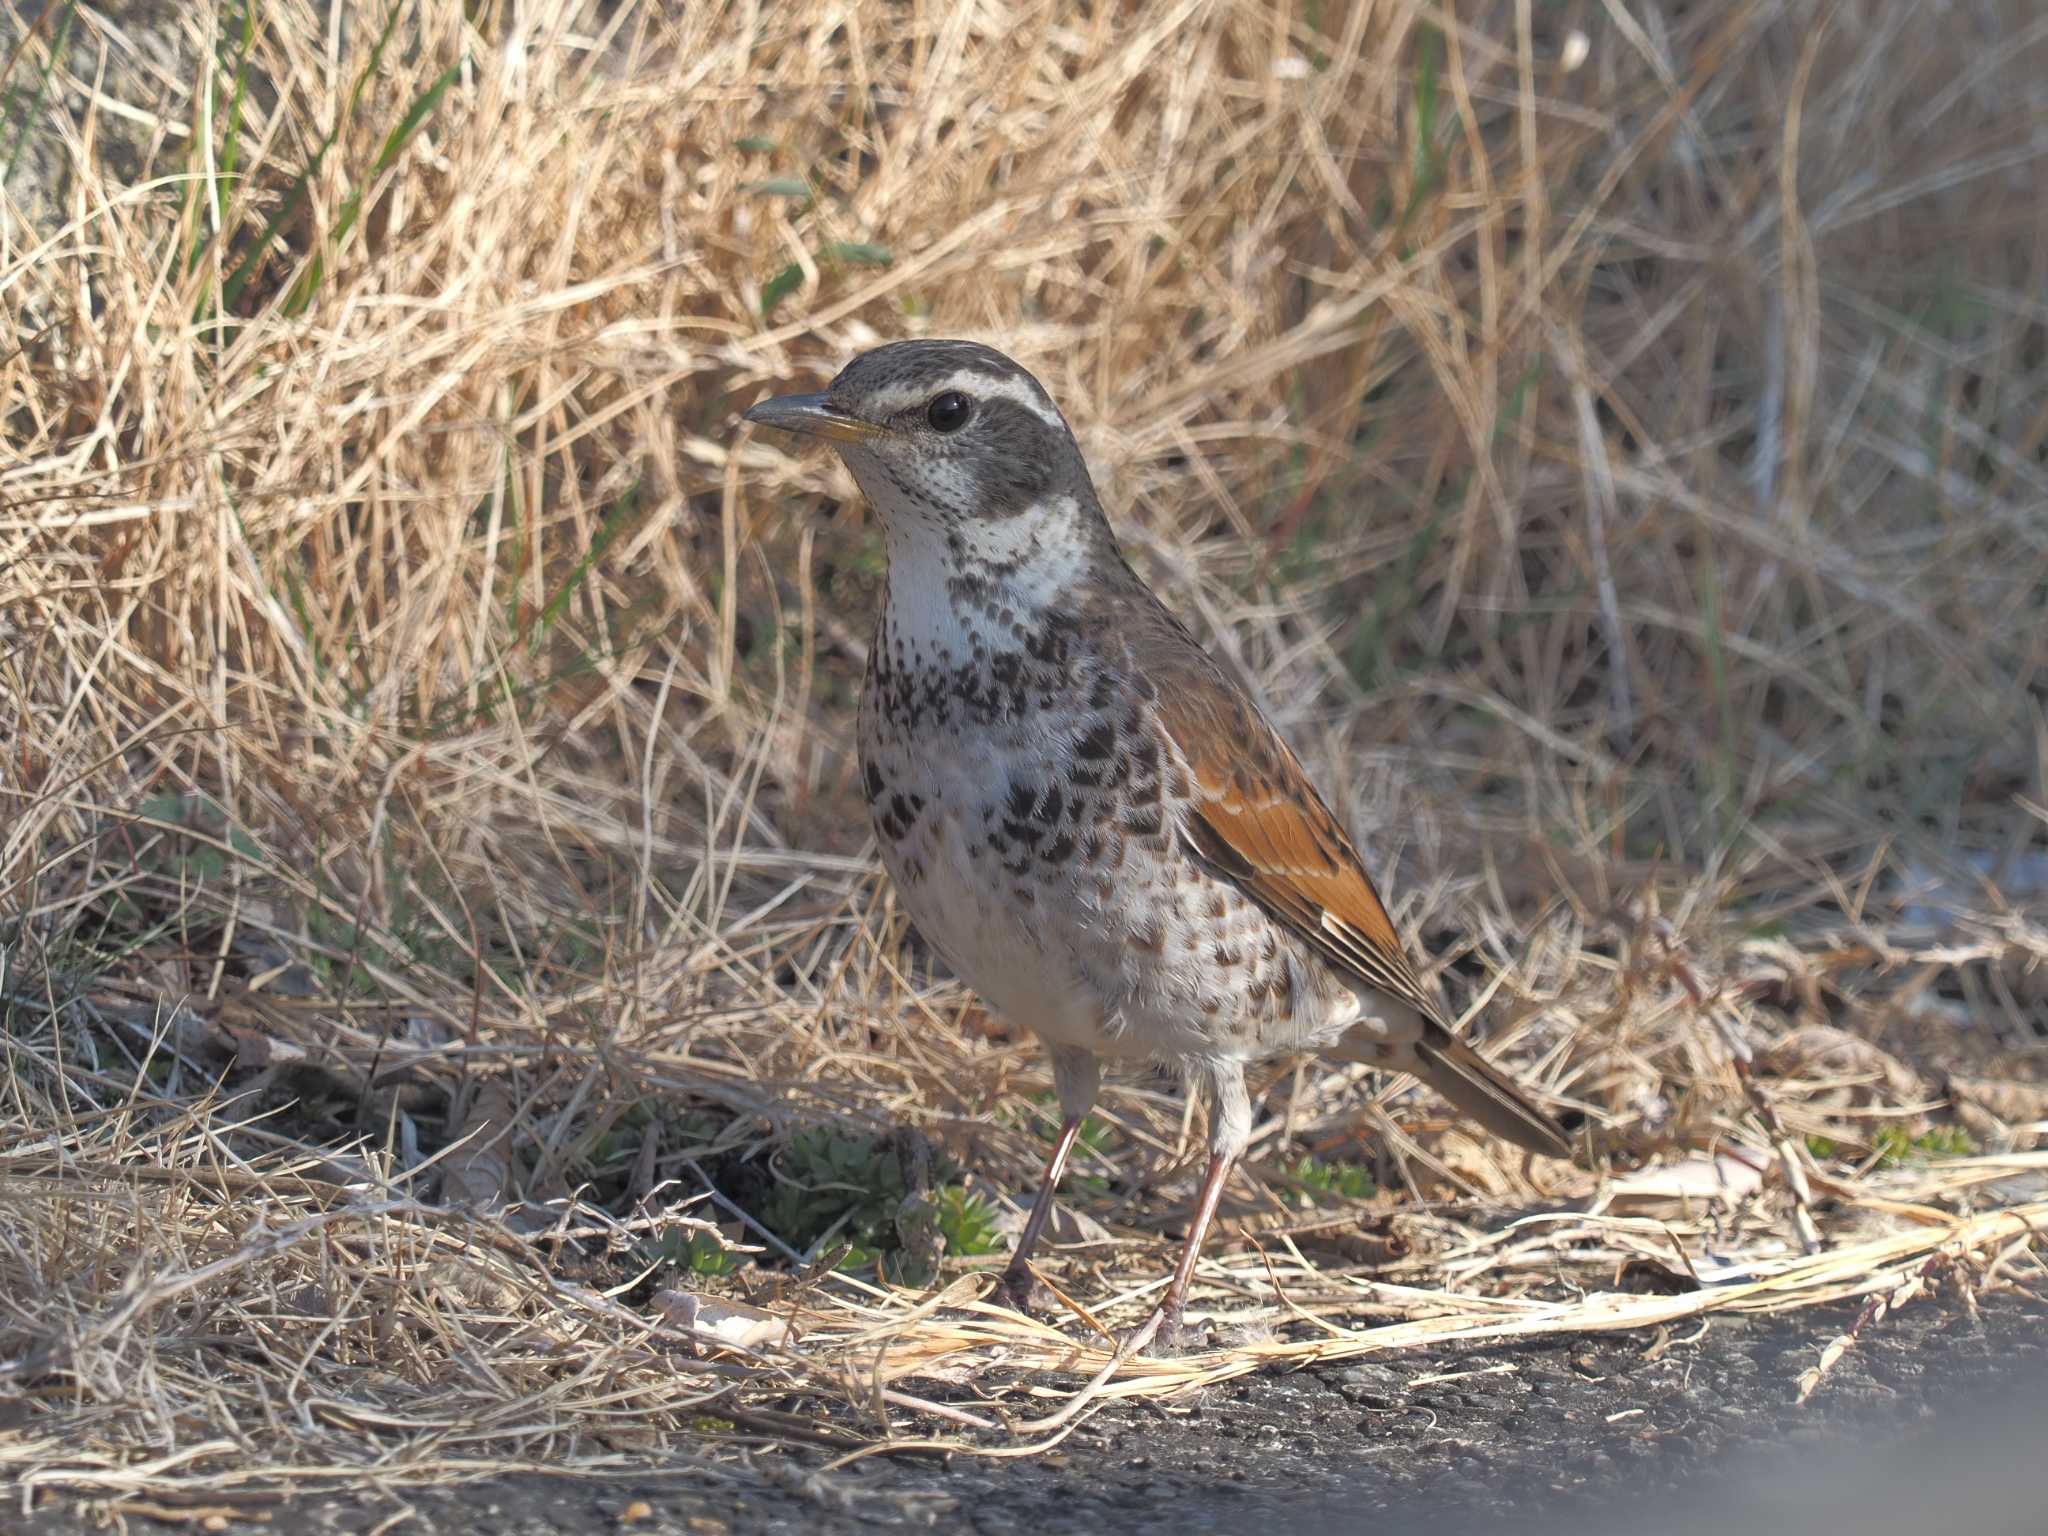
<point>424,749</point>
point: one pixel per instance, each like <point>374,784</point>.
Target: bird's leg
<point>1076,1078</point>
<point>1018,1282</point>
<point>1230,1127</point>
<point>1168,1338</point>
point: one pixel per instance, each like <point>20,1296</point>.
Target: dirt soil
<point>1938,1416</point>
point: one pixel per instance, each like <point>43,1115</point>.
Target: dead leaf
<point>1668,1189</point>
<point>478,1174</point>
<point>724,1320</point>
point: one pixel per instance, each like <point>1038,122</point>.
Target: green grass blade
<point>780,287</point>
<point>394,144</point>
<point>859,253</point>
<point>238,280</point>
<point>231,137</point>
<point>1429,156</point>
<point>35,108</point>
<point>614,524</point>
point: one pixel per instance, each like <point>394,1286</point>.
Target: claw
<point>1022,1291</point>
<point>1170,1336</point>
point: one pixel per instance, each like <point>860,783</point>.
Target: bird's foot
<point>1022,1291</point>
<point>1170,1336</point>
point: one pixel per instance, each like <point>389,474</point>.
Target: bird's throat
<point>970,588</point>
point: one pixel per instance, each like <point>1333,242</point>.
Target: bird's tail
<point>1473,1084</point>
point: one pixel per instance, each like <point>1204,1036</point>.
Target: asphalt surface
<point>1937,1422</point>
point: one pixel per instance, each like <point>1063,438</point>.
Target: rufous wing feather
<point>1257,821</point>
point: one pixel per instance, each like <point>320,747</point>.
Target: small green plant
<point>1326,1181</point>
<point>1948,1141</point>
<point>621,1138</point>
<point>967,1222</point>
<point>831,255</point>
<point>701,1253</point>
<point>1891,1146</point>
<point>836,1190</point>
<point>834,254</point>
<point>202,857</point>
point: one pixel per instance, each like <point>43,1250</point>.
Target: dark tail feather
<point>1479,1088</point>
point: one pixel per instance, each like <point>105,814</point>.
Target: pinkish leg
<point>1018,1281</point>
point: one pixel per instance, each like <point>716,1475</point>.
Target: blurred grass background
<point>1610,438</point>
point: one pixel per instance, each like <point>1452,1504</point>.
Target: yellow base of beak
<point>811,415</point>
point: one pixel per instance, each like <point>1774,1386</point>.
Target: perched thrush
<point>1093,824</point>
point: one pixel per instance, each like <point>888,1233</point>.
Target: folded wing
<point>1258,822</point>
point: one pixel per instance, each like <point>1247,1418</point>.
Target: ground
<point>1582,1433</point>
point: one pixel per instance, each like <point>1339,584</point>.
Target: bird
<point>1090,820</point>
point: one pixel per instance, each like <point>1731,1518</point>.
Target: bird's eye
<point>949,412</point>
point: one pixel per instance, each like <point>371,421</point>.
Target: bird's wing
<point>1258,821</point>
<point>1253,818</point>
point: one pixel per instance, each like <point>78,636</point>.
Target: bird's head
<point>960,450</point>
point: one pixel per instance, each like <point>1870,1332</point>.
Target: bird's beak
<point>811,414</point>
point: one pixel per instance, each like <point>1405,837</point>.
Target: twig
<point>1875,1309</point>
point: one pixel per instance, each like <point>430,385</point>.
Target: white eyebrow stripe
<point>975,384</point>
